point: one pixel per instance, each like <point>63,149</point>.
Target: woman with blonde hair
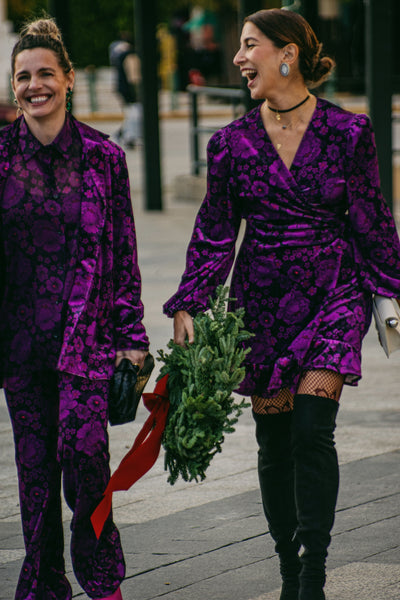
<point>70,311</point>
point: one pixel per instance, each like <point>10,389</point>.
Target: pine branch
<point>202,377</point>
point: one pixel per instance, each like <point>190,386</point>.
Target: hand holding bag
<point>126,388</point>
<point>387,321</point>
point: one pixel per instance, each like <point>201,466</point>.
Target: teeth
<point>250,73</point>
<point>38,99</point>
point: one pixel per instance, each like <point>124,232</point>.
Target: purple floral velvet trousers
<point>60,432</point>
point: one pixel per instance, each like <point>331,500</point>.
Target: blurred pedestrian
<point>204,57</point>
<point>70,311</point>
<point>319,242</point>
<point>126,62</point>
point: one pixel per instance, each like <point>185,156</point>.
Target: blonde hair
<point>42,33</point>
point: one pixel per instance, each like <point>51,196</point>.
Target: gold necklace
<point>289,127</point>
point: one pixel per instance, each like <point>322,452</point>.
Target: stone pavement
<point>209,540</point>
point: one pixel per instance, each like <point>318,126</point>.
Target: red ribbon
<point>141,457</point>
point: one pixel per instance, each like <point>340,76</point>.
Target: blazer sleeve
<point>129,331</point>
<point>376,241</point>
<point>211,250</point>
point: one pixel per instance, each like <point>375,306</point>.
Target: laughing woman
<point>319,241</point>
<point>70,310</point>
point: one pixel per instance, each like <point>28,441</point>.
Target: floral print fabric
<point>60,431</point>
<point>99,308</point>
<point>40,218</point>
<point>319,239</point>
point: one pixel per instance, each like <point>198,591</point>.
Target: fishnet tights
<point>283,402</point>
<point>320,382</point>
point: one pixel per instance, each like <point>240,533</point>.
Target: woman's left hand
<point>135,356</point>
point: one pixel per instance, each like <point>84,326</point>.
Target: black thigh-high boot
<point>276,476</point>
<point>316,486</point>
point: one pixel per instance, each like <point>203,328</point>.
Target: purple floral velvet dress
<point>319,240</point>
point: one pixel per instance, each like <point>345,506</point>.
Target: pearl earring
<point>284,69</point>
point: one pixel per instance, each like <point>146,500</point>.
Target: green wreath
<point>201,379</point>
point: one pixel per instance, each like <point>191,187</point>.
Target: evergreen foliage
<point>202,377</point>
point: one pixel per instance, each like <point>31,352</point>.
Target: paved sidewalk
<point>209,541</point>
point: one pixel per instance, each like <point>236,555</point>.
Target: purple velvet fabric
<point>41,207</point>
<point>80,210</point>
<point>319,240</point>
<point>60,431</point>
<point>69,299</point>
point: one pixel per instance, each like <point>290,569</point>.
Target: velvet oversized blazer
<point>104,309</point>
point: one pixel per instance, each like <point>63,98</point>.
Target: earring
<point>19,109</point>
<point>284,69</point>
<point>68,100</point>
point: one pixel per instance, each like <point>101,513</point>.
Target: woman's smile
<point>40,85</point>
<point>36,100</point>
<point>250,74</point>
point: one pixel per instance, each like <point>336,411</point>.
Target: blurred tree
<point>18,11</point>
<point>94,24</point>
<point>168,7</point>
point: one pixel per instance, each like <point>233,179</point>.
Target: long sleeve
<point>128,308</point>
<point>211,250</point>
<point>377,246</point>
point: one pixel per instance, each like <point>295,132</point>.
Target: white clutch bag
<point>387,320</point>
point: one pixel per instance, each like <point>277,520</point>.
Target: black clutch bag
<point>126,388</point>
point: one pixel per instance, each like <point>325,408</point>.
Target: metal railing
<point>236,97</point>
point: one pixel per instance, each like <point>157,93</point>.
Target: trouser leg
<point>276,476</point>
<point>33,408</point>
<point>98,564</point>
<point>316,486</point>
<point>132,126</point>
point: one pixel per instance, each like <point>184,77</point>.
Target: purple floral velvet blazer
<point>104,311</point>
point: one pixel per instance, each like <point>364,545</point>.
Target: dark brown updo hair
<point>42,33</point>
<point>284,27</point>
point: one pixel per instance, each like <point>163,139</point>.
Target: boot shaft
<point>316,486</point>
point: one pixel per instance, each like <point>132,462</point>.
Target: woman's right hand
<point>183,328</point>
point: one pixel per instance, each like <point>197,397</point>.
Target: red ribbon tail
<point>101,513</point>
<point>141,457</point>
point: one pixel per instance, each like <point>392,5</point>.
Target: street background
<point>209,540</point>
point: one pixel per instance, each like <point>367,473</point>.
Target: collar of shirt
<point>65,142</point>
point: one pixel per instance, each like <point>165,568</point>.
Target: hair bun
<point>42,33</point>
<point>44,27</point>
<point>323,67</point>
